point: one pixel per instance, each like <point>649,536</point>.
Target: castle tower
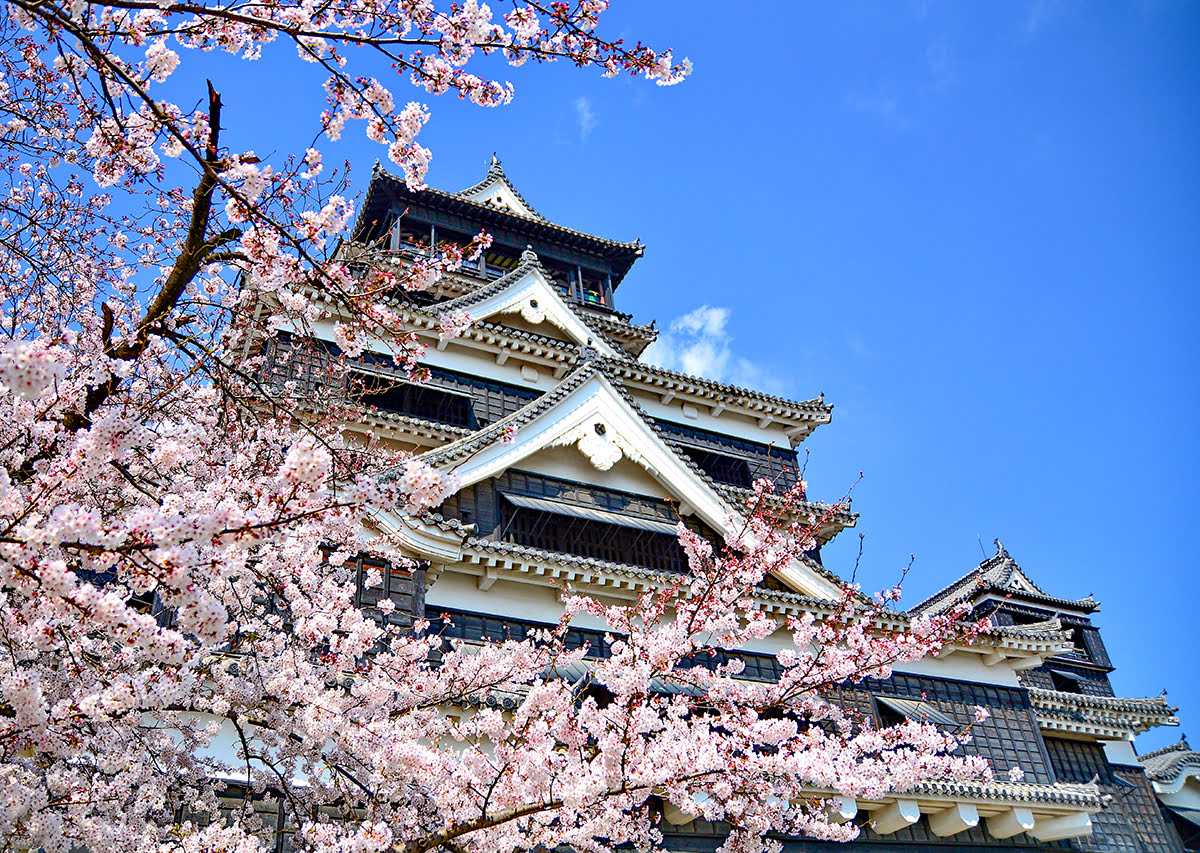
<point>577,460</point>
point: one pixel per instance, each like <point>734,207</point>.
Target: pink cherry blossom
<point>193,525</point>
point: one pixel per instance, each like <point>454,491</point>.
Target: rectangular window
<point>722,468</point>
<point>893,710</point>
<point>417,400</point>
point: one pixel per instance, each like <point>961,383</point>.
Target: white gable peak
<point>593,417</point>
<point>528,292</point>
<point>496,191</point>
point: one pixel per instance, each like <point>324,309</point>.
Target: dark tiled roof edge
<point>634,245</point>
<point>993,574</point>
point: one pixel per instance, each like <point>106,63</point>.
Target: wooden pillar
<point>608,294</point>
<point>394,242</point>
<point>432,240</point>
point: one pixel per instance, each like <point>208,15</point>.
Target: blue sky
<point>974,227</point>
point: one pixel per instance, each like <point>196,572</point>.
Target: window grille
<point>586,538</point>
<point>761,460</point>
<point>722,468</point>
<point>417,400</point>
<point>472,627</point>
<point>893,710</point>
<point>1066,681</point>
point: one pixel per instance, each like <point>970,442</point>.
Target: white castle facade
<point>576,460</point>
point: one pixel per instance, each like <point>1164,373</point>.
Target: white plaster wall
<point>478,362</point>
<point>728,422</point>
<point>534,602</point>
<point>964,666</point>
<point>1186,797</point>
<point>514,320</point>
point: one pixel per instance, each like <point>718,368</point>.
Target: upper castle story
<point>586,270</point>
<point>546,345</point>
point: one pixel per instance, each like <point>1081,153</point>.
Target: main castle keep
<point>576,461</point>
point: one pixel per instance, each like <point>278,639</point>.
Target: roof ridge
<point>984,577</point>
<point>529,262</point>
<point>782,402</point>
<point>495,172</point>
<point>635,245</point>
<point>1181,747</point>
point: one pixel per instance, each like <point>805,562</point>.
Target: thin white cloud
<point>941,65</point>
<point>1043,13</point>
<point>698,343</point>
<point>584,117</point>
<point>880,105</point>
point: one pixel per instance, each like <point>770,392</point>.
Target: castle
<point>576,459</point>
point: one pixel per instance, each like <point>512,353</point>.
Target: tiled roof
<point>1049,628</point>
<point>620,327</point>
<point>495,172</point>
<point>529,262</point>
<point>542,557</point>
<point>720,392</point>
<point>1171,762</point>
<point>1082,713</point>
<point>1151,706</point>
<point>410,424</point>
<point>815,409</point>
<point>999,573</point>
<point>1087,797</point>
<point>490,434</point>
<point>635,247</point>
<point>739,496</point>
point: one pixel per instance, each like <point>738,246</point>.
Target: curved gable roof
<point>590,411</point>
<point>999,573</point>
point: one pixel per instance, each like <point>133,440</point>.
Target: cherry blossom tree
<point>175,533</point>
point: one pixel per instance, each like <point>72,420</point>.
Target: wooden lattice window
<point>722,468</point>
<point>418,400</point>
<point>586,538</point>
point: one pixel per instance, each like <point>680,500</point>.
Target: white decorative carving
<point>532,311</point>
<point>600,451</point>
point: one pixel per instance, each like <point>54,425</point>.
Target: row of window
<point>467,626</point>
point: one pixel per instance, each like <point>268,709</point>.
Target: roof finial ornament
<point>587,352</point>
<point>528,255</point>
<point>494,167</point>
<point>1000,552</point>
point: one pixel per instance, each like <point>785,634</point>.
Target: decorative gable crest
<point>587,411</point>
<point>594,443</point>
